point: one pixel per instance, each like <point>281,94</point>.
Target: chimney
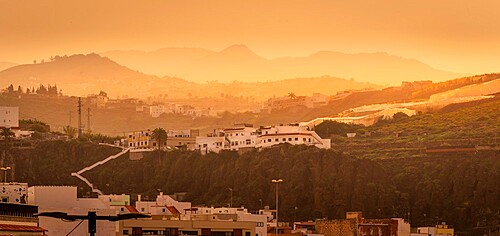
<point>138,197</point>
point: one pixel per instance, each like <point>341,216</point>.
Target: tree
<point>7,134</point>
<point>70,131</point>
<point>292,95</point>
<point>160,135</point>
<point>10,89</point>
<point>41,90</point>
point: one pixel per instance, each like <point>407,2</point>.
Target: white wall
<point>64,199</point>
<point>9,117</point>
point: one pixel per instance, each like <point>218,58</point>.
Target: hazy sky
<point>454,35</point>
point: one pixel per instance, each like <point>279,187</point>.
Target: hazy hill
<point>237,62</point>
<point>160,62</point>
<point>4,65</point>
<point>85,74</point>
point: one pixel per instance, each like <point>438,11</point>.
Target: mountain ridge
<point>238,62</point>
<point>81,75</point>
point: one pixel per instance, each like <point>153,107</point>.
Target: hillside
<point>456,125</point>
<point>460,190</point>
<point>239,63</point>
<point>81,75</point>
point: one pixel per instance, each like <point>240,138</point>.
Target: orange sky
<point>453,35</point>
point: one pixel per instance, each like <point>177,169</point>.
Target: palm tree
<point>292,95</point>
<point>160,135</point>
<point>70,131</point>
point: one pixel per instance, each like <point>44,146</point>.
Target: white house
<point>211,144</point>
<point>164,205</point>
<point>294,135</point>
<point>240,136</point>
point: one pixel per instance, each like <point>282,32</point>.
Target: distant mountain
<point>4,65</point>
<point>87,74</point>
<point>238,63</point>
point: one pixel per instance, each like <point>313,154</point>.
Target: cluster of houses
<point>172,108</point>
<point>241,137</point>
<point>38,210</point>
<point>278,103</point>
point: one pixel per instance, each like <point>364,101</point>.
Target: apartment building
<point>292,134</point>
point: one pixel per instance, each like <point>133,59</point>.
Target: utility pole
<point>79,117</point>
<point>69,124</point>
<point>88,119</point>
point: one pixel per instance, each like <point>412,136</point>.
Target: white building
<point>9,117</point>
<point>164,205</point>
<point>64,199</point>
<point>157,110</point>
<point>211,144</point>
<point>241,136</point>
<point>294,135</point>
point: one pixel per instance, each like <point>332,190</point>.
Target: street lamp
<point>277,181</point>
<point>231,202</point>
<point>5,169</point>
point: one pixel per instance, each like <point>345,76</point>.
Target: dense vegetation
<point>461,190</point>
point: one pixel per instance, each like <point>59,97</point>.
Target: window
<point>284,139</point>
<point>269,140</point>
<point>163,209</point>
<point>276,140</point>
<point>125,232</point>
<point>260,224</point>
<point>289,139</point>
<point>122,209</point>
<point>296,139</point>
<point>304,139</point>
<point>142,209</point>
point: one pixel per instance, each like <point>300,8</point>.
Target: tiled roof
<point>131,209</point>
<point>22,228</point>
<point>173,210</point>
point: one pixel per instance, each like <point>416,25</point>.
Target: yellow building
<point>444,230</point>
